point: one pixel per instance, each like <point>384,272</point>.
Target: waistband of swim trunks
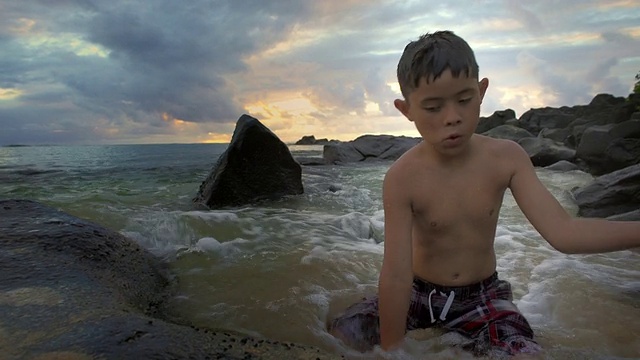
<point>460,291</point>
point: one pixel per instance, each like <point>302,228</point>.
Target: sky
<point>167,71</point>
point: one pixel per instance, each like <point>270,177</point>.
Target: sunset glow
<point>125,72</point>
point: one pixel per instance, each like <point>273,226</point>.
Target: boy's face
<point>445,111</point>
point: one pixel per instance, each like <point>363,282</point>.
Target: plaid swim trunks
<point>482,312</point>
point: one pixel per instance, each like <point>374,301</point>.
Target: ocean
<point>278,269</point>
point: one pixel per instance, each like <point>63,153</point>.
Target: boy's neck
<point>449,161</point>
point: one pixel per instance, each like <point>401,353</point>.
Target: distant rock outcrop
<point>256,166</point>
<point>311,140</point>
<point>368,148</point>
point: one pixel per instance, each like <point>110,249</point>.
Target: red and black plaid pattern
<point>483,312</point>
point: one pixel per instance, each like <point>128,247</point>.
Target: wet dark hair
<point>432,54</point>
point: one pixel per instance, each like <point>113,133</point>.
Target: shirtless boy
<point>441,204</point>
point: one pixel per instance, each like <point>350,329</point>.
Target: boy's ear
<point>483,85</point>
<point>402,106</point>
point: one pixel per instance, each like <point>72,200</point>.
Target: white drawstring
<point>445,309</point>
<point>430,309</point>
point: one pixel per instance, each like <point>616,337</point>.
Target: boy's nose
<point>452,117</point>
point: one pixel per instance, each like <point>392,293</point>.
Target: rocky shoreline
<point>601,138</point>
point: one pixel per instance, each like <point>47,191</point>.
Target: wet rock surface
<point>71,289</point>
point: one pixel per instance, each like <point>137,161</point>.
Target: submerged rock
<point>71,289</point>
<point>256,166</point>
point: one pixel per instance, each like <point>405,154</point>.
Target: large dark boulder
<point>256,166</point>
<point>611,194</point>
<point>509,132</point>
<point>610,147</point>
<point>498,118</point>
<point>368,148</point>
<point>628,216</point>
<point>563,166</point>
<point>534,120</point>
<point>71,289</point>
<point>559,135</point>
<point>545,152</point>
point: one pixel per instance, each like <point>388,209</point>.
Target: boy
<point>441,204</point>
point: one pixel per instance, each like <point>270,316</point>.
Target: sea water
<point>278,269</point>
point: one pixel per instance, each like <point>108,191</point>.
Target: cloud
<point>86,71</point>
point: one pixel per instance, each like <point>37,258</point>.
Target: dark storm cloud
<point>110,71</point>
<point>172,56</point>
<point>162,57</point>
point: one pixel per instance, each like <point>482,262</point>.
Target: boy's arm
<point>565,233</point>
<point>396,276</point>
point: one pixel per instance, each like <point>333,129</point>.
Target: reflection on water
<point>281,268</point>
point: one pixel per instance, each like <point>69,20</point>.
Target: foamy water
<point>279,269</point>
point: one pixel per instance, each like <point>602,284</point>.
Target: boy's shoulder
<point>489,151</point>
<point>501,148</point>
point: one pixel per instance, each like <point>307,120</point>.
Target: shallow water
<point>279,269</point>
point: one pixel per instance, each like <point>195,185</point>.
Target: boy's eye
<point>432,108</point>
<point>465,100</point>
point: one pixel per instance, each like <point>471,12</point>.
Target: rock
<point>311,140</point>
<point>71,289</point>
<point>535,120</point>
<point>256,166</point>
<point>611,194</point>
<point>558,135</point>
<point>496,119</point>
<point>605,100</point>
<point>509,132</point>
<point>544,152</point>
<point>610,147</point>
<point>341,153</point>
<point>307,140</point>
<point>310,161</point>
<point>603,109</point>
<point>628,216</point>
<point>368,148</point>
<point>563,166</point>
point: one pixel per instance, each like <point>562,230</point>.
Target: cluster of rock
<point>599,138</point>
<point>311,140</point>
<point>602,137</point>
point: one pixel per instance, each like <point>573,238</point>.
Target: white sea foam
<point>209,244</point>
<point>218,216</point>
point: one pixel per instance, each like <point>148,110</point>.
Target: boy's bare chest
<point>441,203</point>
